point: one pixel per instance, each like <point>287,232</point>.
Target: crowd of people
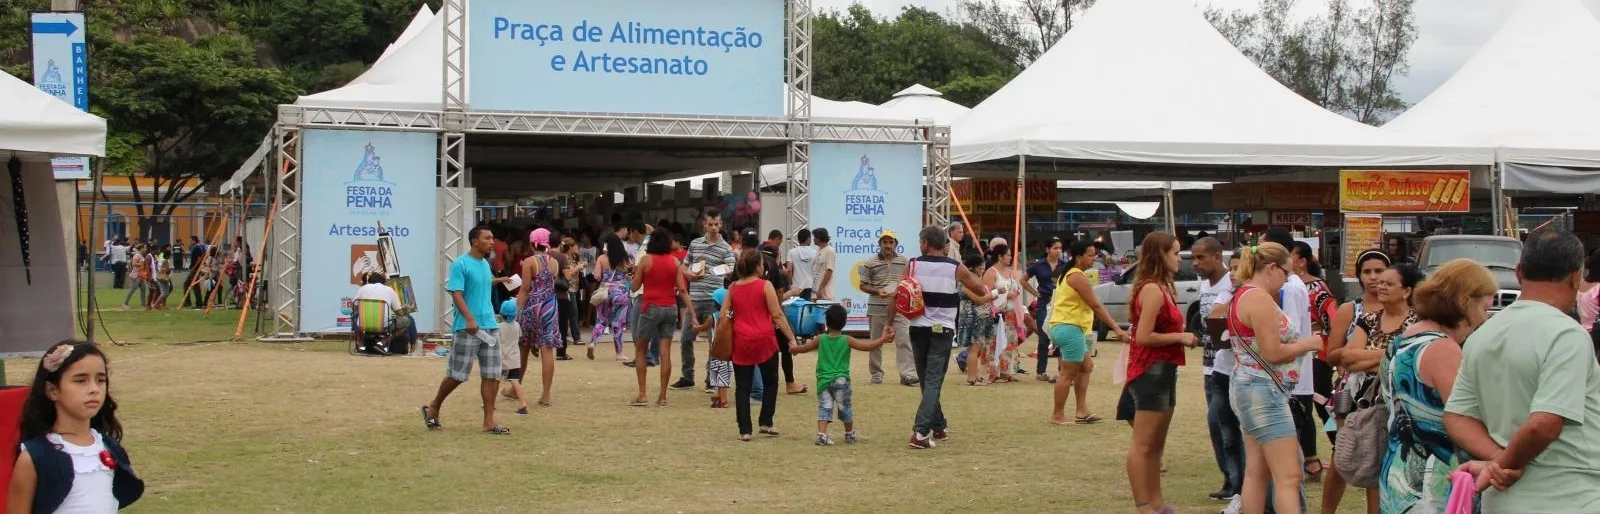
<point>1285,363</point>
<point>216,275</point>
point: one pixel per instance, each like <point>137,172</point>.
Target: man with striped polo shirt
<point>710,261</point>
<point>932,333</point>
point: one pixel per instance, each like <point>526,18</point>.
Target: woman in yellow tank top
<point>1072,313</point>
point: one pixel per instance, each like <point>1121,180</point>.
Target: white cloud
<point>1449,31</point>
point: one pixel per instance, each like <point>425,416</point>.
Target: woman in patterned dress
<point>1369,266</point>
<point>1009,313</point>
<point>611,269</point>
<point>1418,373</point>
<point>538,315</point>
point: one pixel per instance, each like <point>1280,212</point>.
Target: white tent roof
<point>919,101</point>
<point>1533,90</point>
<point>37,126</point>
<point>420,21</point>
<point>1151,81</point>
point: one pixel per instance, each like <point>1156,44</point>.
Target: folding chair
<point>371,329</point>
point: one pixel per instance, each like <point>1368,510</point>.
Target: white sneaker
<point>1235,505</point>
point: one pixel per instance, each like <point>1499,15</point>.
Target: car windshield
<point>1491,254</point>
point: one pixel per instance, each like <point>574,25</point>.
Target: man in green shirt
<point>1527,399</point>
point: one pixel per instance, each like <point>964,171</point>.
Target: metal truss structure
<point>455,122</point>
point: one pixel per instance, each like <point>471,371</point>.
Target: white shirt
<point>1296,298</point>
<point>1211,296</point>
<point>119,253</point>
<point>826,258</point>
<point>802,258</point>
<point>91,480</point>
<point>381,292</point>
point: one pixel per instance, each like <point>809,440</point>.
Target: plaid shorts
<point>465,347</point>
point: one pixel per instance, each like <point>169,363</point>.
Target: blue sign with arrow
<point>61,68</point>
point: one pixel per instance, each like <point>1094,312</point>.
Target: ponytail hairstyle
<point>1303,250</point>
<point>1152,266</point>
<point>1254,259</point>
<point>39,411</point>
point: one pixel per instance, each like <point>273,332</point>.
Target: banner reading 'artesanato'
<point>1405,191</point>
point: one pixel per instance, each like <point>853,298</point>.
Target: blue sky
<point>1449,31</point>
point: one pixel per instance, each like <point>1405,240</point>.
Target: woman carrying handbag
<point>746,334</point>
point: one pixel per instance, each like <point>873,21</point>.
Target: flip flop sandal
<point>1065,423</point>
<point>1089,420</point>
<point>637,403</point>
<point>744,438</point>
<point>661,403</point>
<point>770,431</point>
<point>522,410</point>
<point>803,390</point>
<point>431,423</point>
<point>498,430</point>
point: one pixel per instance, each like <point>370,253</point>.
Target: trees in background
<point>862,57</point>
<point>1345,59</point>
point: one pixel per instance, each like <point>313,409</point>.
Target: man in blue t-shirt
<point>469,286</point>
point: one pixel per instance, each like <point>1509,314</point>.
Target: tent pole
<point>1022,198</point>
<point>1166,198</point>
<point>1497,197</point>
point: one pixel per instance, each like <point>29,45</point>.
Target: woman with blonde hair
<point>1418,372</point>
<point>1267,373</point>
<point>1154,355</point>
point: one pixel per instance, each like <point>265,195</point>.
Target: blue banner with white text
<point>355,181</point>
<point>857,191</point>
<point>61,68</point>
<point>694,57</point>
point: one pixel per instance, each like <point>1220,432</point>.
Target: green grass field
<point>220,426</point>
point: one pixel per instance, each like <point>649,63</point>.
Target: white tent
<point>1151,81</point>
<point>420,21</point>
<point>35,126</point>
<point>1533,92</point>
<point>923,102</point>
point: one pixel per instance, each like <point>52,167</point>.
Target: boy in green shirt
<point>833,373</point>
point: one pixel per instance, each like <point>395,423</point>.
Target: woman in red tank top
<point>1154,355</point>
<point>661,277</point>
<point>752,306</point>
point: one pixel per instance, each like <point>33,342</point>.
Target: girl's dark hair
<point>749,263</point>
<point>1373,254</point>
<point>39,411</point>
<point>660,242</point>
<point>972,260</point>
<point>616,254</point>
<point>1410,276</point>
<point>995,253</point>
<point>1303,250</point>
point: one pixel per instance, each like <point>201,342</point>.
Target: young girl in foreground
<point>72,459</point>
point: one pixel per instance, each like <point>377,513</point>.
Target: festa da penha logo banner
<point>358,184</point>
<point>698,57</point>
<point>857,192</point>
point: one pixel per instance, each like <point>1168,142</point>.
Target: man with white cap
<point>880,276</point>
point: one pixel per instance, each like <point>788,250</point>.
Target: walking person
<point>1268,369</point>
<point>659,275</point>
<point>932,333</point>
<point>753,309</point>
<point>880,275</point>
<point>1012,322</point>
<point>1526,402</point>
<point>569,297</point>
<point>611,313</point>
<point>1154,355</point>
<point>1073,310</point>
<point>538,313</point>
<point>833,374</point>
<point>117,255</point>
<point>1044,272</point>
<point>563,295</point>
<point>137,277</point>
<point>710,260</point>
<point>468,284</point>
<point>1370,265</point>
<point>1421,371</point>
<point>1227,443</point>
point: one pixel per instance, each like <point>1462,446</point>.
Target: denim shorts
<point>655,321</point>
<point>835,396</point>
<point>1262,407</point>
